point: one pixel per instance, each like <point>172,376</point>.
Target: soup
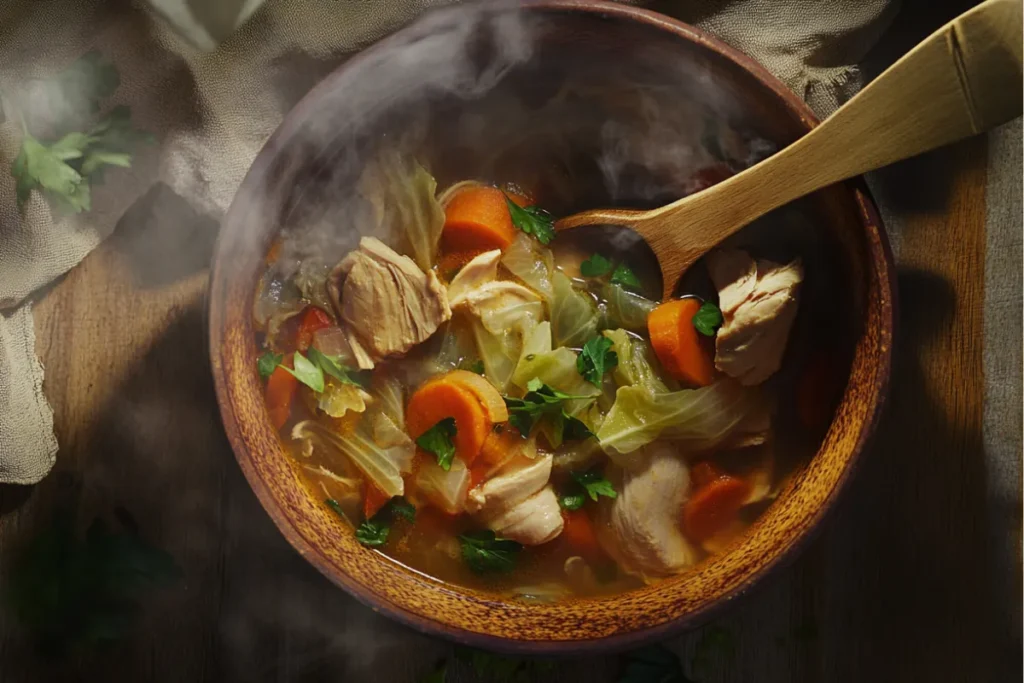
<point>503,407</point>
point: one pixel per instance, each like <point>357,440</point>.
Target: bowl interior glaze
<point>586,104</point>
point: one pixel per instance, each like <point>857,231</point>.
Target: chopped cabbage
<point>506,306</point>
<point>387,417</point>
<point>337,399</point>
<point>573,313</point>
<point>402,196</point>
<point>382,466</point>
<point>555,368</point>
<point>622,308</point>
<point>532,263</point>
<point>702,417</point>
<point>498,352</point>
<point>445,489</point>
<point>636,362</point>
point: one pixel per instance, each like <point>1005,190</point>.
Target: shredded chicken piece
<point>499,304</point>
<point>386,303</point>
<point>479,271</point>
<point>759,302</point>
<point>644,519</point>
<point>534,521</point>
<point>518,503</point>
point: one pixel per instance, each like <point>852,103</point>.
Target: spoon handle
<point>962,80</point>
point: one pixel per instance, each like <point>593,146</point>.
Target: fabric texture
<point>210,111</point>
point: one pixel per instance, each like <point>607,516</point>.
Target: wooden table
<point>895,587</point>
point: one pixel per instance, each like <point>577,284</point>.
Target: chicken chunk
<point>515,483</point>
<point>533,521</point>
<point>518,503</point>
<point>759,302</point>
<point>499,304</point>
<point>643,521</point>
<point>387,304</point>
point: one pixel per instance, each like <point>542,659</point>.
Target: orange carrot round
<point>492,402</point>
<point>580,535</point>
<point>281,389</point>
<point>713,507</point>
<point>442,398</point>
<point>677,343</point>
<point>477,218</point>
<point>703,473</point>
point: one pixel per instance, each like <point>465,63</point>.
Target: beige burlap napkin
<point>211,111</point>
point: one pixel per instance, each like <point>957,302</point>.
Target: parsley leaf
<point>374,531</point>
<point>306,372</point>
<point>624,276</point>
<point>596,266</point>
<point>438,440</point>
<point>337,370</point>
<point>267,363</point>
<point>74,591</point>
<point>574,429</point>
<point>540,400</point>
<point>572,501</point>
<point>336,506</point>
<point>485,552</point>
<point>532,220</point>
<point>653,664</point>
<point>708,319</point>
<point>594,483</point>
<point>595,359</point>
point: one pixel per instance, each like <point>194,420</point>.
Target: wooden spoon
<point>963,80</point>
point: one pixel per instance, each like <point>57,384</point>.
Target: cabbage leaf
<point>382,466</point>
<point>636,362</point>
<point>700,417</point>
<point>625,309</point>
<point>574,315</point>
<point>532,263</point>
<point>498,352</point>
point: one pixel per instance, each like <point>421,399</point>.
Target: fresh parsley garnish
<point>590,484</point>
<point>596,266</point>
<point>532,220</point>
<point>73,591</point>
<point>540,400</point>
<point>374,531</point>
<point>595,359</point>
<point>484,552</point>
<point>267,363</point>
<point>708,319</point>
<point>306,372</point>
<point>339,371</point>
<point>438,440</point>
<point>594,483</point>
<point>574,429</point>
<point>653,664</point>
<point>477,367</point>
<point>574,500</point>
<point>625,277</point>
<point>336,506</point>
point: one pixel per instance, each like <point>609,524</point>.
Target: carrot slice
<point>714,507</point>
<point>374,500</point>
<point>281,389</point>
<point>580,535</point>
<point>492,402</point>
<point>442,398</point>
<point>703,473</point>
<point>677,343</point>
<point>477,218</point>
<point>313,319</point>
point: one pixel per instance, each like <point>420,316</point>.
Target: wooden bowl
<point>469,89</point>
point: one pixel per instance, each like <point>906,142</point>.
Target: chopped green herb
<point>336,506</point>
<point>338,370</point>
<point>306,372</point>
<point>594,483</point>
<point>532,220</point>
<point>624,276</point>
<point>438,440</point>
<point>540,400</point>
<point>374,531</point>
<point>572,501</point>
<point>267,363</point>
<point>596,266</point>
<point>653,664</point>
<point>595,359</point>
<point>477,367</point>
<point>708,319</point>
<point>485,552</point>
<point>574,429</point>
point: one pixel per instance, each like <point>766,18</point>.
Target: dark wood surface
<point>897,585</point>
